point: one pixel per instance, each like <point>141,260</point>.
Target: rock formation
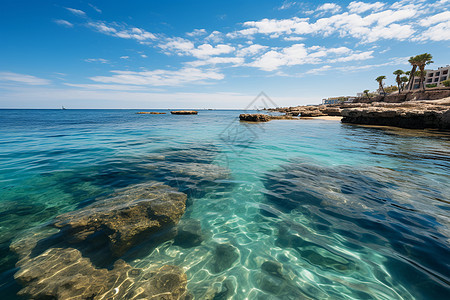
<point>224,257</point>
<point>184,112</point>
<point>263,117</point>
<point>128,216</point>
<point>411,114</point>
<point>62,273</point>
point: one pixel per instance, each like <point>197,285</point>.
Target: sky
<point>208,54</point>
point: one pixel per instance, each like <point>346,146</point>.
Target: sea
<point>287,209</point>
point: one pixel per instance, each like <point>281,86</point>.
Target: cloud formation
<point>63,23</point>
<point>22,78</point>
<point>161,77</point>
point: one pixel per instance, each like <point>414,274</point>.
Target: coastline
<point>413,114</point>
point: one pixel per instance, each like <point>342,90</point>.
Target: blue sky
<point>208,54</point>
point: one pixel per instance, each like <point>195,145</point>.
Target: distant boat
<point>62,107</point>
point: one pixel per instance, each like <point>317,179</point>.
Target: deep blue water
<point>350,212</point>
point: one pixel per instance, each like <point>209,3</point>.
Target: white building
<point>433,77</point>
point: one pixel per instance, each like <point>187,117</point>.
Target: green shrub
<point>446,82</point>
<point>431,85</point>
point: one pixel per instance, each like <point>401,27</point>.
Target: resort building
<point>433,77</point>
<point>337,100</point>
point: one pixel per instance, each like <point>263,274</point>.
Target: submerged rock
<point>189,233</point>
<point>62,273</point>
<point>126,218</point>
<point>273,268</point>
<point>224,257</point>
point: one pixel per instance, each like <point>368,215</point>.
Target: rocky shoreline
<point>417,114</point>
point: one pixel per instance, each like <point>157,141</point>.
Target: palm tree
<point>422,60</point>
<point>404,80</point>
<point>413,61</point>
<point>397,79</point>
<point>380,82</point>
<point>367,94</point>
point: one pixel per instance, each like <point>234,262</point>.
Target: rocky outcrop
<point>63,273</point>
<point>263,117</point>
<point>150,113</point>
<point>410,114</point>
<point>311,111</point>
<point>254,117</point>
<point>126,217</point>
<point>184,112</point>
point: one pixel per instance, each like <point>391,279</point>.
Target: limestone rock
<point>184,112</point>
<point>254,117</point>
<point>127,217</point>
<point>62,273</point>
<point>263,117</point>
<point>312,113</point>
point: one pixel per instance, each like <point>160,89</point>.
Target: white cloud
<point>22,78</point>
<point>299,54</point>
<point>125,57</point>
<point>331,7</point>
<point>316,71</point>
<point>353,57</point>
<point>126,33</point>
<point>144,56</point>
<point>77,12</point>
<point>63,23</point>
<point>197,32</point>
<point>161,77</point>
<point>376,26</point>
<point>235,61</point>
<point>360,7</point>
<point>206,50</point>
<point>396,61</point>
<point>437,32</point>
<point>114,87</point>
<point>215,37</point>
<point>251,50</point>
<point>99,60</point>
<point>293,55</point>
<point>294,38</point>
<point>184,47</point>
<point>95,8</point>
<point>438,18</point>
<point>287,4</point>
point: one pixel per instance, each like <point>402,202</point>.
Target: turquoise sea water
<point>349,212</point>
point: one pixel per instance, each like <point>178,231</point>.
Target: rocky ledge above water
<point>262,117</point>
<point>150,113</point>
<point>421,114</point>
<point>184,112</point>
<point>411,114</point>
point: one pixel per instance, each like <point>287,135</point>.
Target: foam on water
<point>304,209</point>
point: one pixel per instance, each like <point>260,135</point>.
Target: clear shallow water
<point>349,212</point>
